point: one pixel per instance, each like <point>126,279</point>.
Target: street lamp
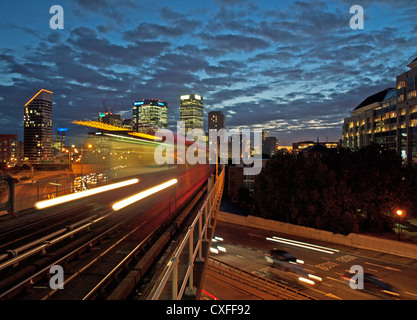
<point>399,214</point>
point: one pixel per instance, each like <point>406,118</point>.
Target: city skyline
<point>295,69</point>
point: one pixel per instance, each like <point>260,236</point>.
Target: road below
<point>246,248</point>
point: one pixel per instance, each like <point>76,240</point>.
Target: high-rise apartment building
<point>270,146</point>
<point>388,118</point>
<point>150,115</point>
<point>8,149</point>
<point>191,112</point>
<point>216,120</point>
<point>38,127</point>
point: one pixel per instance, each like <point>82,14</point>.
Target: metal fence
<point>256,281</point>
<point>179,274</point>
<point>21,196</point>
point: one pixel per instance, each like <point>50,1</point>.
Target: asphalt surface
<point>246,248</point>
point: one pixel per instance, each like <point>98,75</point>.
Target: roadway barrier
<point>263,284</point>
<point>353,240</point>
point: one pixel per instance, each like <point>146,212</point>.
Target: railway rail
<point>96,250</point>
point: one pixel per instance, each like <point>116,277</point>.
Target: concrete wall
<point>353,240</point>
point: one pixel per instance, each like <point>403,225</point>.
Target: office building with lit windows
<point>216,120</point>
<point>149,116</point>
<point>191,112</point>
<point>37,130</point>
<point>388,118</point>
<point>110,118</point>
<point>8,150</point>
<point>62,136</point>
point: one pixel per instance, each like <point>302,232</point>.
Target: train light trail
<point>306,280</point>
<point>75,196</point>
<point>139,196</point>
<point>144,135</point>
<point>100,125</point>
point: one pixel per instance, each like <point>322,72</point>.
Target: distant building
<point>9,150</point>
<point>127,123</point>
<point>110,118</point>
<point>241,142</point>
<point>270,146</point>
<point>300,146</point>
<point>60,141</point>
<point>62,135</point>
<point>38,127</point>
<point>149,116</point>
<point>191,112</point>
<point>318,151</point>
<point>265,134</point>
<point>216,120</point>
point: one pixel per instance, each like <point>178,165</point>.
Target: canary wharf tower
<point>191,112</point>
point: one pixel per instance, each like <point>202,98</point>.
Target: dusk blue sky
<point>294,68</point>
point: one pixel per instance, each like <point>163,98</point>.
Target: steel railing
<point>199,230</point>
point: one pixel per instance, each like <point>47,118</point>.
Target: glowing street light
<point>399,214</point>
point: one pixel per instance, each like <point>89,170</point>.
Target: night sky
<point>295,68</point>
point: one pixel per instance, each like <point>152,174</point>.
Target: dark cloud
<point>229,43</point>
<point>293,68</point>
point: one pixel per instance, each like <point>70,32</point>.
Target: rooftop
<point>412,64</point>
<point>377,97</point>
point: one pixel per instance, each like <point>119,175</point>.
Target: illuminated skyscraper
<point>62,136</point>
<point>191,112</point>
<point>38,127</point>
<point>150,115</point>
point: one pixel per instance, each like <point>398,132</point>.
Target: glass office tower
<point>191,112</point>
<point>150,115</point>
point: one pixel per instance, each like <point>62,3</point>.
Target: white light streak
<point>301,245</point>
<point>306,280</point>
<point>139,196</point>
<point>75,196</point>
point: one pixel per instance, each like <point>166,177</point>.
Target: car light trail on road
<point>209,294</point>
<point>139,196</point>
<point>303,245</point>
<point>312,276</point>
<point>75,196</point>
<point>308,244</point>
